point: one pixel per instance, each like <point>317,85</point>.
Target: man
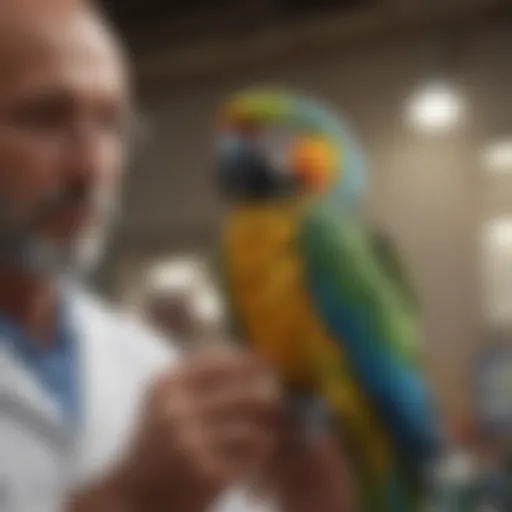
<point>95,414</point>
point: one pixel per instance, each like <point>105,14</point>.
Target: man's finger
<point>259,403</point>
<point>223,370</point>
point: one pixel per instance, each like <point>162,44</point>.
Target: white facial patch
<point>275,143</point>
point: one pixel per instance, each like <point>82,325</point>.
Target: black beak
<point>245,173</point>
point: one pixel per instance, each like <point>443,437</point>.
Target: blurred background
<point>428,86</point>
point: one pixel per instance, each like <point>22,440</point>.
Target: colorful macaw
<point>315,294</point>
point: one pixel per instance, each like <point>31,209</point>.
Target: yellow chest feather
<point>266,281</point>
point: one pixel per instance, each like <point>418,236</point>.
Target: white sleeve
<point>136,355</point>
<point>157,355</point>
<point>149,351</point>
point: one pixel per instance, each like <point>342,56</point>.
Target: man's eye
<point>59,114</point>
<point>39,116</point>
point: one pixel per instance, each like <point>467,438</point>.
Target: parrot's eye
<point>274,143</point>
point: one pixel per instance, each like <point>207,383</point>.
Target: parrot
<point>322,298</point>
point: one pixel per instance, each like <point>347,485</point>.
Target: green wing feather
<point>388,256</point>
<point>366,311</point>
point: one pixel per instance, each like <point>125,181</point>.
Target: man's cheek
<point>24,176</point>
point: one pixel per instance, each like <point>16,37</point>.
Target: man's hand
<point>204,427</point>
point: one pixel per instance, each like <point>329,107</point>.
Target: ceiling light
<point>497,156</point>
<point>435,108</point>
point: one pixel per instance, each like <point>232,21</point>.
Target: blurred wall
<point>429,191</point>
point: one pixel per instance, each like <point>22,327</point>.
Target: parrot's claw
<point>312,413</point>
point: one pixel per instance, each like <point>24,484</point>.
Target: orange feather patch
<point>314,160</point>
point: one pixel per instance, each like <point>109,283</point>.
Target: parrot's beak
<point>244,173</point>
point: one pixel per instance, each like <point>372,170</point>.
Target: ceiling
<point>191,38</point>
<point>152,22</point>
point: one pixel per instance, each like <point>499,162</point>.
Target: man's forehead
<point>41,5</point>
<point>20,15</point>
<point>33,29</point>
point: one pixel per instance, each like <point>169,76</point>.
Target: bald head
<point>63,99</point>
<point>29,27</point>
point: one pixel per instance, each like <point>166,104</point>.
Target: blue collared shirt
<point>54,366</point>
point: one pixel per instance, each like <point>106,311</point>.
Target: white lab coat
<point>39,460</point>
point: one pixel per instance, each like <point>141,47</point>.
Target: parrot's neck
<point>330,198</point>
<point>288,206</point>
